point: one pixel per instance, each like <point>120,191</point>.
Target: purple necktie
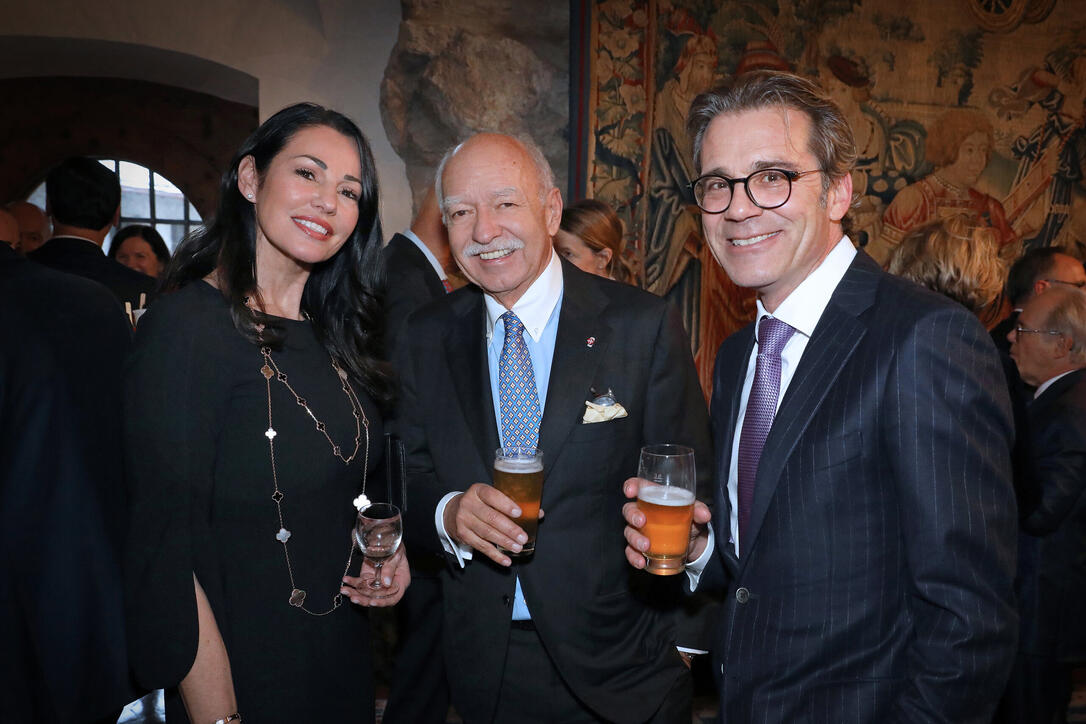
<point>773,334</point>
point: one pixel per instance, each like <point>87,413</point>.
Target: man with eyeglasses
<point>1049,346</point>
<point>1035,272</point>
<point>865,518</point>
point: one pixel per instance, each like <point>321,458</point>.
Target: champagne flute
<point>666,497</point>
<point>377,532</point>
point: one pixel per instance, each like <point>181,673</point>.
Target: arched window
<point>146,198</point>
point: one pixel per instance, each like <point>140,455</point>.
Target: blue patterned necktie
<point>519,398</point>
<point>773,334</point>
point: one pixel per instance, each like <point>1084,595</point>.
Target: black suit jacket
<point>86,259</point>
<point>602,622</point>
<point>411,282</point>
<point>62,641</point>
<point>1052,545</point>
<point>877,582</point>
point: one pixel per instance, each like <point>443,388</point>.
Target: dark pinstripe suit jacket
<point>877,586</point>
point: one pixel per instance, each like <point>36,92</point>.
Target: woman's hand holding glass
<point>385,572</point>
<point>395,578</point>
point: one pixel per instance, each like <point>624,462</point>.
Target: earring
<point>249,195</point>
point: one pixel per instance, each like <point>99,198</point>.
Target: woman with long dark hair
<point>253,419</point>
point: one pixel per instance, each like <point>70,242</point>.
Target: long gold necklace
<point>362,433</point>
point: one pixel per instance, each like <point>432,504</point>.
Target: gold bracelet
<point>236,716</point>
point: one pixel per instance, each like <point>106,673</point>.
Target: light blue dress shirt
<point>538,309</point>
<point>542,354</point>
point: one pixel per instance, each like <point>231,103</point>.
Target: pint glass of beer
<point>518,472</point>
<point>666,497</point>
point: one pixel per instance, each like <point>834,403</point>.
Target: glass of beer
<point>666,497</point>
<point>518,472</point>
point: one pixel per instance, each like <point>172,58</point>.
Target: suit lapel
<point>465,343</point>
<point>835,338</point>
<point>730,374</point>
<point>574,364</point>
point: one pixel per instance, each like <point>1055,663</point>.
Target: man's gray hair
<point>831,142</point>
<point>543,168</point>
<point>1068,317</point>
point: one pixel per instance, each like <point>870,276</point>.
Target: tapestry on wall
<point>958,106</point>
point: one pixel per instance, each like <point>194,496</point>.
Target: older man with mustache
<point>568,633</point>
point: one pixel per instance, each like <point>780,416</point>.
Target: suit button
<point>506,599</point>
<point>742,595</point>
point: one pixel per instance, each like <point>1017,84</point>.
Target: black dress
<point>196,416</point>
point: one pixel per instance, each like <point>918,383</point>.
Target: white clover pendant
<point>361,502</point>
<point>283,536</point>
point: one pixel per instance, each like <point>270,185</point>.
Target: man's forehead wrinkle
<point>505,192</point>
<point>769,157</point>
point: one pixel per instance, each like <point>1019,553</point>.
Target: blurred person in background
<point>141,248</point>
<point>590,237</point>
<point>9,230</point>
<point>83,198</point>
<point>1036,271</point>
<point>1049,346</point>
<point>956,258</point>
<point>63,498</point>
<point>34,226</point>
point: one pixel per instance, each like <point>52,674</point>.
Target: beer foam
<point>518,465</point>
<point>665,495</point>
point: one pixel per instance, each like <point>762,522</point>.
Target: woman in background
<point>253,418</point>
<point>141,248</point>
<point>590,237</point>
<point>958,259</point>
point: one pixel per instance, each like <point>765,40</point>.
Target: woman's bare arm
<point>208,689</point>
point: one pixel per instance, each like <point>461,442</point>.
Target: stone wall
<point>461,67</point>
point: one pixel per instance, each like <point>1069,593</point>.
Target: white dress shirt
<point>1048,383</point>
<point>801,310</point>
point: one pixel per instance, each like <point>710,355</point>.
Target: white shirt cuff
<point>695,652</point>
<point>462,552</point>
<point>695,567</point>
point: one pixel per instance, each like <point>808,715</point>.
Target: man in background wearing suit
<point>570,633</point>
<point>84,200</point>
<point>64,505</point>
<point>416,263</point>
<point>1049,347</point>
<point>1036,271</point>
<point>419,269</point>
<point>866,519</point>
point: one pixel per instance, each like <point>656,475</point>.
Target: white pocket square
<point>602,413</point>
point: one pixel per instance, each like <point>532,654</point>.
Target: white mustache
<point>510,244</point>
